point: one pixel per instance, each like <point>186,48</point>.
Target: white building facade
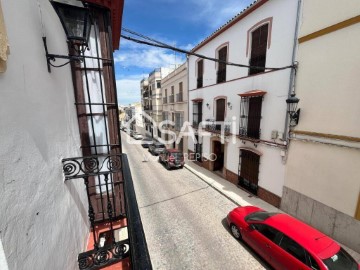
<point>174,88</point>
<point>244,137</point>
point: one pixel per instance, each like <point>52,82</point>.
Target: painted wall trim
<point>330,29</point>
<point>328,136</point>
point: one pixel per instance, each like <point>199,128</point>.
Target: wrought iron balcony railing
<point>108,182</point>
<point>171,99</point>
<point>164,100</point>
<point>217,127</point>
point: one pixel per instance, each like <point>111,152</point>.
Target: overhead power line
<point>155,43</point>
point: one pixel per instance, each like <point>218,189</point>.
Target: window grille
<point>250,116</point>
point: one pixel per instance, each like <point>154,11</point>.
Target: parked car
<point>146,142</point>
<point>137,136</point>
<point>172,158</point>
<point>156,148</point>
<point>287,243</point>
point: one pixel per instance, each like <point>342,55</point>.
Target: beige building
<point>174,91</point>
<point>322,181</point>
<point>151,100</point>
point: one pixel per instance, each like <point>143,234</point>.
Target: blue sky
<point>180,23</point>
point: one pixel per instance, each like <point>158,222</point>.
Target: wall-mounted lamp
<point>229,105</point>
<point>292,110</point>
<point>208,105</point>
<point>76,22</point>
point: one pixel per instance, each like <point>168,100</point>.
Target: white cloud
<point>129,89</point>
<point>147,58</point>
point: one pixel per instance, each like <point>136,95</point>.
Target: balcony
<point>217,127</point>
<point>164,100</point>
<point>171,99</point>
<point>117,235</point>
<point>146,94</point>
<point>179,97</point>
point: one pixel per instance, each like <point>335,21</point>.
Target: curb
<point>212,186</point>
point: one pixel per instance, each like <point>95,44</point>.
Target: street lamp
<point>292,110</point>
<point>76,22</point>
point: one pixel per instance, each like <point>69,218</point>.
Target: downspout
<point>292,72</point>
<point>188,97</point>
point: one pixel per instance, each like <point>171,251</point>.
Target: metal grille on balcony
<point>171,99</point>
<point>164,100</point>
<point>217,127</point>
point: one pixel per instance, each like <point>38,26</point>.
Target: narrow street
<point>183,217</point>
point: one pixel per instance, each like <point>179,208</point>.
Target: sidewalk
<point>239,196</point>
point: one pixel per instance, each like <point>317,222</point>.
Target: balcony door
<point>220,112</point>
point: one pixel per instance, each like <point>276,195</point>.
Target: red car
<point>172,158</point>
<point>287,243</point>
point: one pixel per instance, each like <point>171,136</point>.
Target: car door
<point>262,238</point>
<point>288,254</point>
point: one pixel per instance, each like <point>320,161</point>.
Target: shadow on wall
<point>77,199</point>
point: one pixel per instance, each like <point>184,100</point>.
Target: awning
<point>253,93</point>
<point>197,100</point>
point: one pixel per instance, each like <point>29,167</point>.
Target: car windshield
<point>177,154</point>
<point>259,216</point>
<point>341,261</point>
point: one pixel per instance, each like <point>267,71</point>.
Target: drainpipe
<point>292,72</point>
<point>188,97</point>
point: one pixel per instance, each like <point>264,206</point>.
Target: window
<point>165,98</point>
<point>249,170</point>
<point>258,49</point>
<point>171,97</point>
<point>179,96</point>
<point>200,72</point>
<point>269,232</point>
<point>178,121</point>
<point>221,73</point>
<point>250,116</point>
<point>259,216</point>
<point>197,113</point>
<point>158,84</point>
<point>220,112</point>
<point>293,248</point>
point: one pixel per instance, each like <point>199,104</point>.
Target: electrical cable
<point>166,46</point>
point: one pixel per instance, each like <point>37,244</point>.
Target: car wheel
<point>168,166</point>
<point>235,231</point>
<point>182,167</point>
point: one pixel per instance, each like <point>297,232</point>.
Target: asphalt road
<point>184,218</point>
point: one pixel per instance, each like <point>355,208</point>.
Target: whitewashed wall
<point>43,220</point>
<point>276,84</point>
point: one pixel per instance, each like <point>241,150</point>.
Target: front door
<point>218,151</point>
